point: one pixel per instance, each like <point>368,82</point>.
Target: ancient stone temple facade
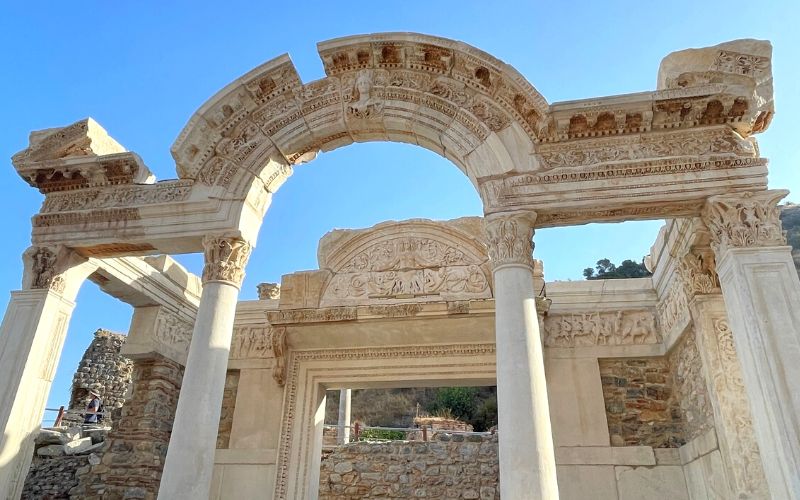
<point>679,385</point>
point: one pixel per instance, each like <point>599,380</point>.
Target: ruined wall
<point>134,457</point>
<point>453,466</point>
<point>52,478</point>
<point>228,405</point>
<point>104,370</point>
<point>659,402</point>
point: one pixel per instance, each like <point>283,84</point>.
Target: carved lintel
<point>279,350</point>
<point>510,238</point>
<point>698,273</point>
<point>748,219</point>
<point>45,269</point>
<point>225,259</point>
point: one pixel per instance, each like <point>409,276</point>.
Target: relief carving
<point>601,328</point>
<point>172,331</point>
<point>510,239</point>
<point>363,105</point>
<point>44,270</point>
<point>698,273</point>
<point>269,291</point>
<point>745,220</point>
<point>279,351</point>
<point>673,308</point>
<point>251,342</point>
<point>116,196</point>
<point>225,259</point>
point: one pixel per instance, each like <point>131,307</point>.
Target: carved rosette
<point>510,238</point>
<point>698,273</point>
<point>43,268</point>
<point>225,259</point>
<point>745,220</point>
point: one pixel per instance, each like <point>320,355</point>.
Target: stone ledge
<point>256,456</point>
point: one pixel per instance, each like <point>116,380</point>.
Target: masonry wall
<point>454,466</point>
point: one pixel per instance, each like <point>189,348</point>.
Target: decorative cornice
<point>225,259</point>
<point>750,219</point>
<point>510,238</point>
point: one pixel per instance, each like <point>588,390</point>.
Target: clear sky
<point>142,68</point>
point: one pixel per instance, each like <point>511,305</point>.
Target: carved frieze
<point>117,196</point>
<point>408,266</point>
<point>673,309</point>
<point>251,342</point>
<point>286,316</point>
<point>749,219</point>
<point>363,104</point>
<point>225,259</point>
<point>601,328</point>
<point>510,238</point>
<point>173,331</point>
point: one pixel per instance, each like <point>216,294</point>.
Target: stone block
<point>78,446</point>
<point>51,450</point>
<point>48,437</point>
<point>645,483</point>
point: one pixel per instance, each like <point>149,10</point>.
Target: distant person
<point>92,409</point>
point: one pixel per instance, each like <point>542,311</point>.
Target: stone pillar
<point>190,457</point>
<point>732,418</point>
<point>343,432</point>
<point>31,337</point>
<point>762,298</point>
<point>527,459</point>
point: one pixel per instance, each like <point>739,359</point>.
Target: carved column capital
<point>748,219</point>
<point>698,273</point>
<point>44,267</point>
<point>510,238</point>
<point>225,259</point>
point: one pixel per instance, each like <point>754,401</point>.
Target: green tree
<point>459,400</point>
<point>605,269</point>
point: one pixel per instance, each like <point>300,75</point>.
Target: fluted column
<point>343,430</point>
<point>762,298</point>
<point>31,338</point>
<point>190,457</point>
<point>527,459</point>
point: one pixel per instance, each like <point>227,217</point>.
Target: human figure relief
<point>363,104</point>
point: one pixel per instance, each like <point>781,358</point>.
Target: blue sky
<point>142,68</point>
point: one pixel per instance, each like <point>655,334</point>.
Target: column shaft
<point>527,458</point>
<point>343,431</point>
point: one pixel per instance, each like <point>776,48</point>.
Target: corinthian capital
<point>510,238</point>
<point>745,220</point>
<point>225,259</point>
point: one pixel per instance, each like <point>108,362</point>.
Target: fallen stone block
<point>78,446</point>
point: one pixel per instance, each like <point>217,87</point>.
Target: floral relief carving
<point>279,351</point>
<point>601,328</point>
<point>510,239</point>
<point>116,196</point>
<point>225,259</point>
<point>697,271</point>
<point>748,219</point>
<point>726,379</point>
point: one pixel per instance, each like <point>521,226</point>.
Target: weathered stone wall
<point>228,404</point>
<point>52,478</point>
<point>659,402</point>
<point>453,466</point>
<point>104,370</point>
<point>689,387</point>
<point>640,408</point>
<point>134,457</point>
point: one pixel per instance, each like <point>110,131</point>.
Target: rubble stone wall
<point>52,478</point>
<point>134,457</point>
<point>104,370</point>
<point>452,466</point>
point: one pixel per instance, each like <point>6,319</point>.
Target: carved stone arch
<point>439,94</point>
<point>417,259</point>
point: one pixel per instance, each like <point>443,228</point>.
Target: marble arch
<point>683,151</point>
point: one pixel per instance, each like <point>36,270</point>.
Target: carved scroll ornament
<point>698,273</point>
<point>225,259</point>
<point>510,239</point>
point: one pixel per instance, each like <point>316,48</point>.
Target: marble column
<point>727,395</point>
<point>31,338</point>
<point>761,290</point>
<point>527,458</point>
<point>190,456</point>
<point>343,431</point>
